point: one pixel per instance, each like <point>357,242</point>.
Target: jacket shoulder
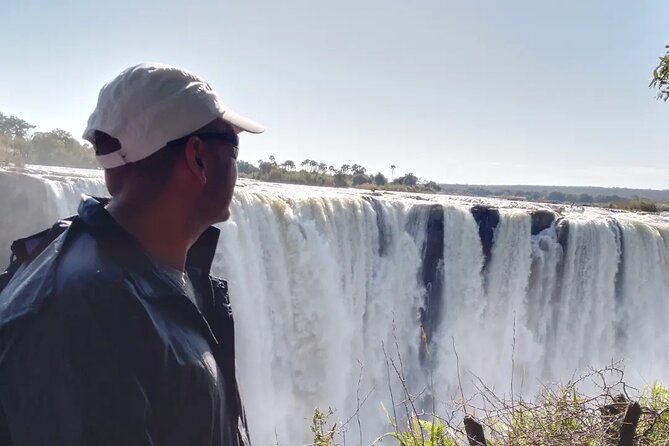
<point>85,263</point>
<point>68,266</point>
<point>30,287</point>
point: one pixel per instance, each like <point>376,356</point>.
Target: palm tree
<point>313,164</point>
<point>358,169</point>
<point>344,168</point>
<point>288,165</point>
<point>392,172</point>
<point>305,163</point>
<point>322,167</point>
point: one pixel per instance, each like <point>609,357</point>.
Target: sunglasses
<point>231,139</point>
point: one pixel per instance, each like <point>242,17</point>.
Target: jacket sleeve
<point>62,384</point>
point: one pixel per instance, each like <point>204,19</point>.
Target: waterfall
<point>339,293</point>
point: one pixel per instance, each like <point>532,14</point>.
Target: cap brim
<point>242,123</point>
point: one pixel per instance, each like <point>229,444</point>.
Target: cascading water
<point>337,293</point>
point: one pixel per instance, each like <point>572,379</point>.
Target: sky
<point>479,92</point>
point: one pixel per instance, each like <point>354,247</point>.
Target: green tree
<point>431,185</point>
<point>380,179</point>
<point>358,169</point>
<point>407,180</point>
<point>341,180</point>
<point>288,165</point>
<point>661,76</point>
<point>265,167</point>
<point>59,148</point>
<point>246,167</point>
<point>647,206</point>
<point>359,179</point>
<point>14,127</point>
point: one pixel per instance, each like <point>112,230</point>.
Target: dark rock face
<point>487,220</point>
<point>384,231</point>
<point>620,244</point>
<point>562,230</point>
<point>541,220</point>
<point>432,271</point>
<point>620,326</point>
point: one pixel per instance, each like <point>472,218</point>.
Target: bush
<point>559,416</point>
<point>359,179</point>
<point>380,179</point>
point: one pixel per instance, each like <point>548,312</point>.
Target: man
<point>116,334</point>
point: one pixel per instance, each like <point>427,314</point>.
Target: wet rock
<point>541,219</point>
<point>487,220</point>
<point>562,231</point>
<point>384,231</point>
<point>432,271</point>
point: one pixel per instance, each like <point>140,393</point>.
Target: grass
<point>559,416</point>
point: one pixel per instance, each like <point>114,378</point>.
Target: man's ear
<point>193,152</point>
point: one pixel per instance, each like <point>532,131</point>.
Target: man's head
<point>160,130</point>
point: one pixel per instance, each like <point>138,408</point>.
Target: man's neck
<point>164,232</point>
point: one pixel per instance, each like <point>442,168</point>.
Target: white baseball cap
<point>150,104</point>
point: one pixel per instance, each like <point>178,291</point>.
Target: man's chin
<point>223,216</point>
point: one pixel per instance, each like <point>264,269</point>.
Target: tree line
<point>20,145</point>
<point>546,195</point>
<point>611,201</point>
<point>316,173</point>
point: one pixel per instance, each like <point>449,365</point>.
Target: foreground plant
<point>559,416</point>
<point>420,433</point>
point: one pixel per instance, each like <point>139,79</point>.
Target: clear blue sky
<point>498,92</point>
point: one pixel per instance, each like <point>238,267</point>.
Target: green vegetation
<point>316,173</point>
<point>533,195</point>
<point>420,432</point>
<point>609,201</point>
<point>661,76</point>
<point>19,145</point>
<point>559,416</point>
<point>640,205</point>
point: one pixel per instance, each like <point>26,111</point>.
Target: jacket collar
<point>134,258</point>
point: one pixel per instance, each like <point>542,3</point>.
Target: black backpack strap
<point>25,250</point>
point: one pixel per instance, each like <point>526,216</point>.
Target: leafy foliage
<point>420,433</point>
<point>661,77</point>
<point>323,435</point>
<point>380,179</point>
<point>14,127</point>
<point>559,416</point>
<point>55,148</point>
<point>408,180</point>
<point>654,427</point>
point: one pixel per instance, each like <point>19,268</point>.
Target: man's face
<point>221,172</point>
